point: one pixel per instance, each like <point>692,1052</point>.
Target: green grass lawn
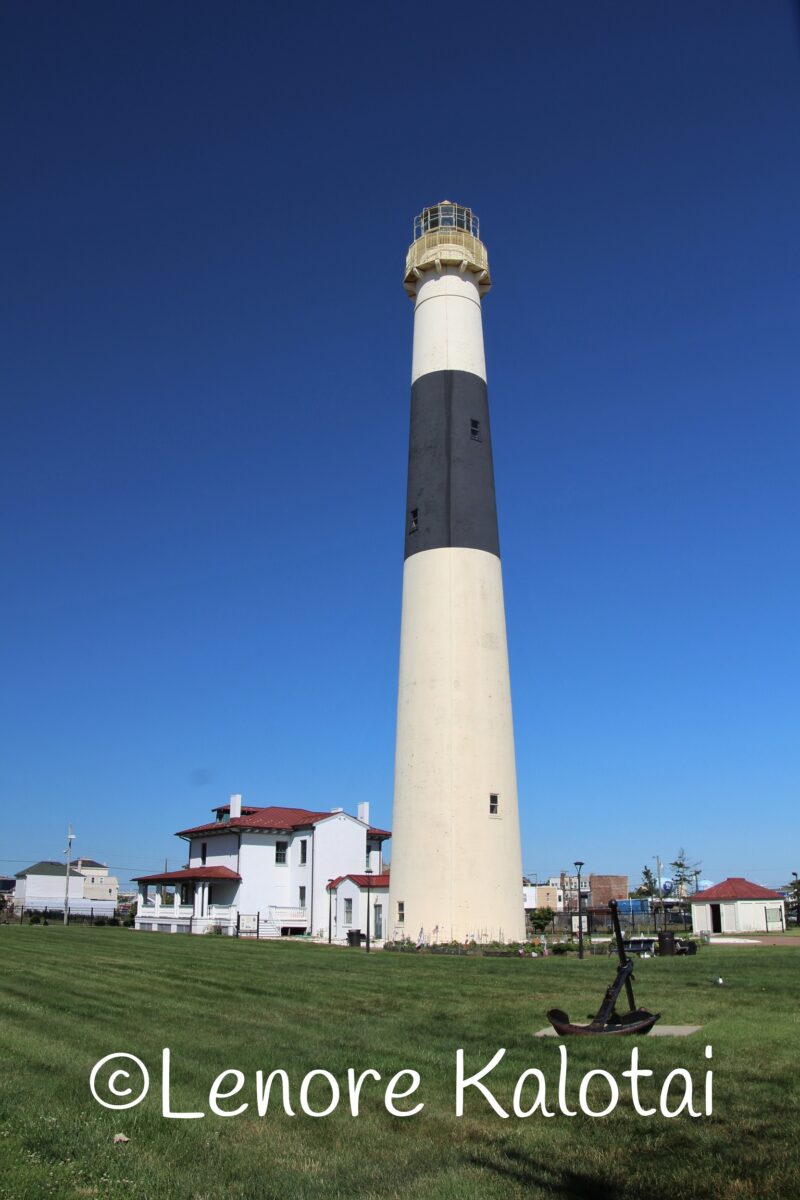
<point>70,996</point>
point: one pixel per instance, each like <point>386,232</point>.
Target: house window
<point>303,852</point>
<point>348,912</point>
<point>401,911</point>
<point>369,851</point>
<point>203,853</point>
<point>302,892</point>
<point>413,523</point>
<point>280,851</point>
<point>494,804</point>
<point>210,895</point>
<point>475,430</point>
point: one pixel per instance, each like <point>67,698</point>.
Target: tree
<point>540,918</point>
<point>649,884</point>
<point>683,873</point>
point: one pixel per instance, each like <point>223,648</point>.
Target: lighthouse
<point>456,869</point>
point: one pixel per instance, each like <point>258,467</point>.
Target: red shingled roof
<point>199,873</point>
<point>262,818</point>
<point>375,881</point>
<point>272,817</point>
<point>735,888</point>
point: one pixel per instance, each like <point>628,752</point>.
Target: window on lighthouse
<point>413,523</point>
<point>494,804</point>
<point>475,430</point>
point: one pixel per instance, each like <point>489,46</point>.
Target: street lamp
<point>68,852</point>
<point>368,874</point>
<point>330,911</point>
<point>578,866</point>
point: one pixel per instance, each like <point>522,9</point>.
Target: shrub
<point>34,919</point>
<point>113,920</point>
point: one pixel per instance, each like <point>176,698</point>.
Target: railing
<point>283,915</point>
<point>165,908</point>
<point>446,216</point>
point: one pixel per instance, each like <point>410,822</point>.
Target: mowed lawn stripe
<point>70,996</point>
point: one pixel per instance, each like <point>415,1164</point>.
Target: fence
<point>55,916</point>
<point>596,921</point>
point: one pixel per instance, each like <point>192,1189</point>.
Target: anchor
<point>608,1020</point>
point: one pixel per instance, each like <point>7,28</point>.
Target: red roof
<point>735,888</point>
<point>272,817</point>
<point>262,818</point>
<point>189,873</point>
<point>375,881</point>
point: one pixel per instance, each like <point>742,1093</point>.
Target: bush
<point>113,920</point>
<point>34,919</point>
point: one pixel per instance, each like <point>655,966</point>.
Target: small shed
<point>738,906</point>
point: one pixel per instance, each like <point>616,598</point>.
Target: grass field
<point>70,996</point>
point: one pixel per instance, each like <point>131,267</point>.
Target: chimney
<point>363,811</point>
<point>236,807</point>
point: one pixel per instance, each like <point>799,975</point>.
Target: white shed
<point>738,906</point>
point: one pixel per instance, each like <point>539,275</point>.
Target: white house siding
<point>47,891</point>
<point>340,849</point>
<point>740,916</point>
<point>221,850</point>
<point>265,882</point>
<point>348,890</point>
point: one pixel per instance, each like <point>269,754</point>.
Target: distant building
<point>542,895</point>
<point>603,888</point>
<point>568,886</point>
<point>265,871</point>
<point>42,886</point>
<point>738,906</point>
<point>97,883</point>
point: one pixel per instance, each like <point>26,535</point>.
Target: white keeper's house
<point>263,872</point>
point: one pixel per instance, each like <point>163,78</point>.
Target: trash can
<point>666,944</point>
<point>354,937</point>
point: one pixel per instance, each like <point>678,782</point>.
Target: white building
<point>262,872</point>
<point>348,898</point>
<point>738,906</point>
<point>41,887</point>
<point>97,883</point>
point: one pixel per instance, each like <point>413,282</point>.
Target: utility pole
<point>660,893</point>
<point>68,852</point>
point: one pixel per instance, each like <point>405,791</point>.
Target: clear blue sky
<point>205,391</point>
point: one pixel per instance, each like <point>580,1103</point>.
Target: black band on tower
<point>451,499</point>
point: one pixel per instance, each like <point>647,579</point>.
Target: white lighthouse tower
<point>456,862</point>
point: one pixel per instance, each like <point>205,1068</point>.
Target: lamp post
<point>368,874</point>
<point>578,866</point>
<point>660,894</point>
<point>68,852</point>
<point>330,911</point>
<point>796,898</point>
